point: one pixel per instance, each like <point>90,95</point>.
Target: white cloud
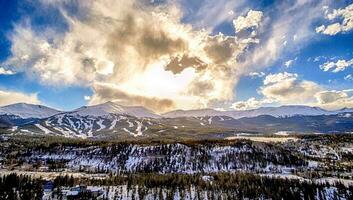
<point>289,63</point>
<point>251,103</point>
<point>6,71</point>
<point>338,66</point>
<point>284,28</point>
<point>318,58</point>
<point>275,78</point>
<point>333,99</point>
<point>87,98</point>
<point>346,25</point>
<point>256,74</point>
<point>251,20</point>
<point>291,91</point>
<point>10,97</point>
<point>286,89</point>
<point>348,77</point>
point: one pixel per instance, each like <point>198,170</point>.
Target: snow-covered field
<point>262,139</point>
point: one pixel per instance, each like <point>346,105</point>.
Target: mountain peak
<point>193,113</point>
<point>25,110</point>
<point>114,108</point>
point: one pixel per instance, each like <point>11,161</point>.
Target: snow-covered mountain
<point>25,111</point>
<point>113,108</point>
<point>74,125</point>
<point>282,111</point>
<point>88,121</point>
<point>193,113</point>
<point>124,121</point>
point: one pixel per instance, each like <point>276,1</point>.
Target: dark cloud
<point>105,92</point>
<point>220,49</point>
<point>148,39</point>
<point>200,88</point>
<point>179,63</point>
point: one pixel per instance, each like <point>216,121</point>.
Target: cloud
<point>10,97</point>
<point>348,77</point>
<point>144,51</point>
<point>281,88</point>
<point>289,63</point>
<point>346,25</point>
<point>282,33</point>
<point>285,88</point>
<point>333,99</point>
<point>251,20</point>
<point>6,71</point>
<point>275,78</point>
<point>251,103</point>
<point>107,92</point>
<point>256,74</point>
<point>338,66</point>
<point>147,52</point>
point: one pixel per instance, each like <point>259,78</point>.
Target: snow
<point>182,160</point>
<point>263,139</point>
<point>126,130</point>
<point>42,128</point>
<point>130,123</point>
<point>313,164</point>
<point>192,113</point>
<point>347,149</point>
<point>26,111</point>
<point>210,120</point>
<point>113,108</point>
<point>14,128</point>
<point>139,128</point>
<point>282,111</point>
<point>101,125</point>
<point>283,133</point>
<point>140,112</point>
<point>113,124</point>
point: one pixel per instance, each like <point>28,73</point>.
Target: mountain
<point>193,113</point>
<point>113,108</point>
<point>89,121</point>
<point>26,111</point>
<point>282,111</point>
<point>84,124</point>
<point>111,120</point>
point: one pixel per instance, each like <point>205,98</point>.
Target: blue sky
<point>314,39</point>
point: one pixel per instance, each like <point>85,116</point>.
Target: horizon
<point>170,55</point>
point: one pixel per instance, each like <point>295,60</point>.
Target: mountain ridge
<point>24,110</point>
<point>113,120</point>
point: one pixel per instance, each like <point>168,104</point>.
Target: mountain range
<point>113,120</point>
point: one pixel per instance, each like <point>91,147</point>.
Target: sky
<point>177,54</point>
